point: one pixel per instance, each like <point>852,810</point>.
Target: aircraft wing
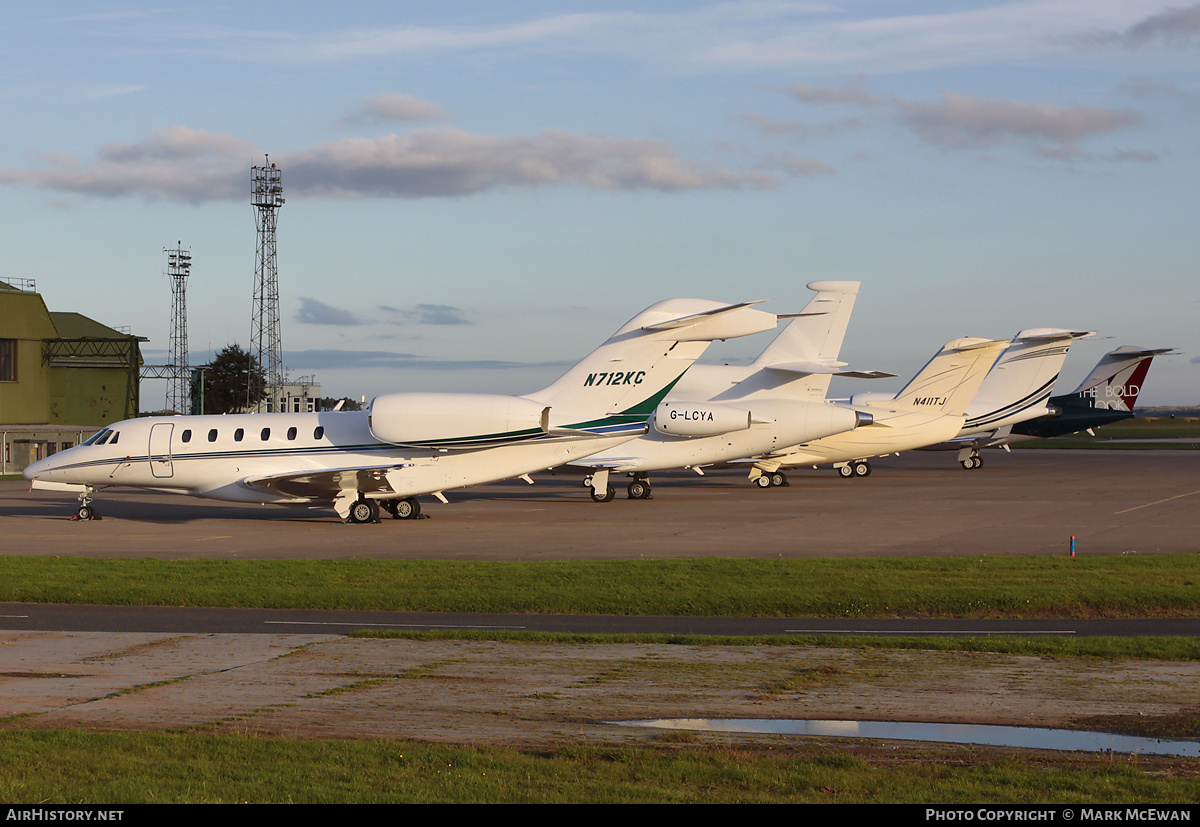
<point>327,483</point>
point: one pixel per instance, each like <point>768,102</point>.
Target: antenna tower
<point>266,194</point>
<point>179,392</point>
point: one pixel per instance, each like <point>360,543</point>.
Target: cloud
<point>854,92</point>
<point>1173,27</point>
<point>380,359</point>
<point>961,121</point>
<point>177,164</point>
<point>316,312</point>
<point>398,107</point>
<point>448,161</point>
<point>439,314</point>
<point>182,164</point>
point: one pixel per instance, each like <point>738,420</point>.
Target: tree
<point>328,403</point>
<point>226,378</point>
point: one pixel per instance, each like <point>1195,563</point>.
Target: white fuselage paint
<point>150,454</point>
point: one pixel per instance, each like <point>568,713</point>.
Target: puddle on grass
<point>983,734</point>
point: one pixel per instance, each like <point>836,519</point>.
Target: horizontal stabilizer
<point>830,369</point>
<point>697,318</point>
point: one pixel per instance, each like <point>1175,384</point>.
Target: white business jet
<point>1107,395</point>
<point>1016,389</point>
<point>931,408</point>
<point>719,413</point>
<point>406,444</point>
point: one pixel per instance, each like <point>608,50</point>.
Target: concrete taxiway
<point>919,504</point>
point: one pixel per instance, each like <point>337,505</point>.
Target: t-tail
<point>611,392</point>
<point>948,381</point>
<point>1108,394</point>
<point>1019,385</point>
<point>801,360</point>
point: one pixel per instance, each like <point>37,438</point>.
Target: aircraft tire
<point>779,480</point>
<point>407,509</point>
<point>605,497</point>
<point>364,511</point>
<point>639,490</point>
<point>86,512</point>
<point>764,481</point>
<point>862,469</point>
<point>846,471</point>
<point>978,462</point>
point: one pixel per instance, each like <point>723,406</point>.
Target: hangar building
<point>62,375</point>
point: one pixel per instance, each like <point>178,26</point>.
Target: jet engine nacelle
<point>868,397</point>
<point>449,420</point>
<point>699,419</point>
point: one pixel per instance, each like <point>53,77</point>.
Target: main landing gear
<point>857,468</point>
<point>775,479</point>
<point>972,463</point>
<point>364,510</point>
<point>406,509</point>
<point>639,489</point>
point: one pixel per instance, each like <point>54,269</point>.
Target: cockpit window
<point>104,435</point>
<point>92,439</point>
<point>113,441</point>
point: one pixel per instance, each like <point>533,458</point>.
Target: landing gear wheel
<point>978,462</point>
<point>764,481</point>
<point>639,490</point>
<point>971,463</point>
<point>778,480</point>
<point>406,509</point>
<point>86,512</point>
<point>862,469</point>
<point>605,497</point>
<point>364,511</point>
<point>846,471</point>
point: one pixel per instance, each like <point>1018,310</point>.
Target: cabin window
<point>212,435</point>
<point>238,434</point>
<point>319,432</point>
<point>186,436</point>
<point>266,434</point>
<point>291,433</point>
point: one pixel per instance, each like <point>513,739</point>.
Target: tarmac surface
<point>918,504</point>
<point>467,692</point>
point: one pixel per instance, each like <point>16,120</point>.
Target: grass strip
<point>1112,586</point>
<point>65,766</point>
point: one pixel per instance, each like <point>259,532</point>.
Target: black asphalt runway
<point>176,620</point>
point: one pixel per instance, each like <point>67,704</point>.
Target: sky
<point>479,193</point>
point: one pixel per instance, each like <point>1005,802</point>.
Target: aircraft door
<point>160,449</point>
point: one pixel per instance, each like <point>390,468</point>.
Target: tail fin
<point>1018,385</point>
<point>1106,396</point>
<point>799,363</point>
<point>950,379</point>
<point>1116,381</point>
<point>622,381</point>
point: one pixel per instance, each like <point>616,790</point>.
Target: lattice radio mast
<point>266,193</point>
<point>179,391</point>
